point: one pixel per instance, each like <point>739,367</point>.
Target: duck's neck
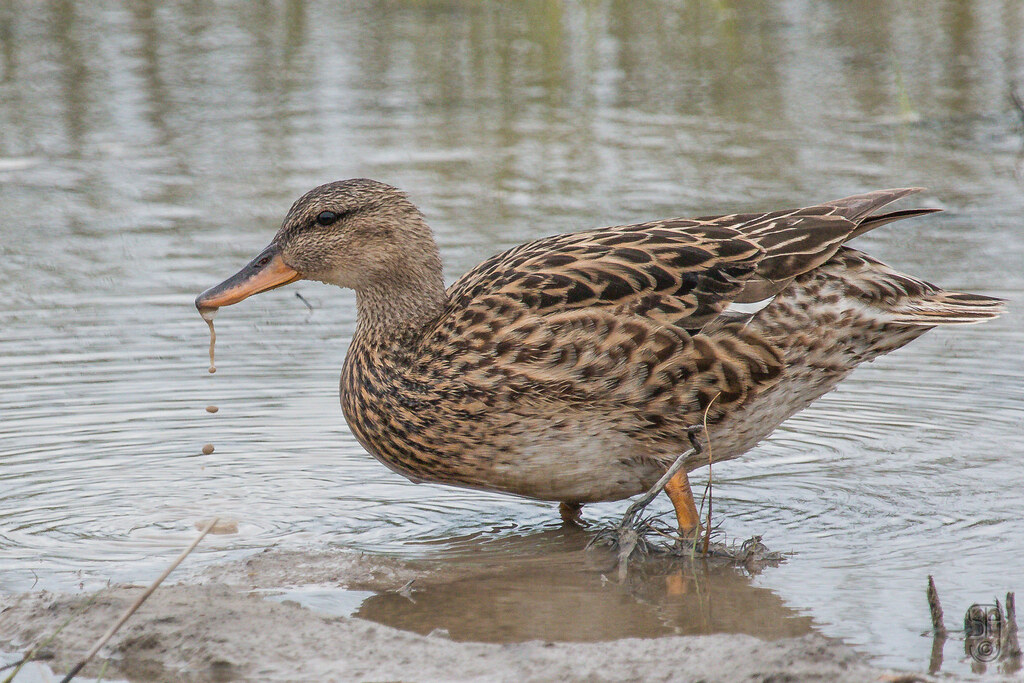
<point>393,311</point>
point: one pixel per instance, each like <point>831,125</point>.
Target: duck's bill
<point>265,272</point>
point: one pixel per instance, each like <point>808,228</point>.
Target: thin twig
<point>303,300</point>
<point>652,493</point>
<point>628,536</point>
<point>138,603</point>
<point>664,534</point>
<point>707,530</point>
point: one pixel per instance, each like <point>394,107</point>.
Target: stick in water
<point>938,628</point>
<point>707,531</point>
<point>138,603</point>
<point>935,608</point>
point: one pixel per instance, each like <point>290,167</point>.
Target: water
<point>149,150</point>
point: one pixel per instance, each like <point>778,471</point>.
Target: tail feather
<point>947,308</point>
<point>902,299</point>
<point>855,308</point>
<point>799,243</point>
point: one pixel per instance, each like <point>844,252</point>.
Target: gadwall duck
<point>572,368</point>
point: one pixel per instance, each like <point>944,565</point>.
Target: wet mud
<point>416,624</point>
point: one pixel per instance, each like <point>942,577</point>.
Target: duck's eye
<point>326,217</point>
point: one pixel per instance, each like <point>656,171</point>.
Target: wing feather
<point>635,314</point>
<point>682,272</point>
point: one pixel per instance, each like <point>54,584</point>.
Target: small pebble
<point>212,409</point>
<point>207,449</point>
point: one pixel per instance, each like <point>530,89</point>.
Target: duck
<point>573,368</point>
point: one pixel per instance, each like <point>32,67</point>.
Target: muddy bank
<point>226,625</point>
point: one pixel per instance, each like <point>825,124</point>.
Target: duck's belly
<point>755,421</point>
<point>580,456</point>
<point>581,460</point>
<point>576,455</point>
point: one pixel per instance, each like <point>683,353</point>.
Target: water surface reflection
<point>545,586</point>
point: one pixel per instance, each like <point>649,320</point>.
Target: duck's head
<point>360,234</point>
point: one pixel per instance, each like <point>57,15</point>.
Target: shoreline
<point>227,624</point>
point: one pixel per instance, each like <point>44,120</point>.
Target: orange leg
<point>678,490</point>
<point>570,513</point>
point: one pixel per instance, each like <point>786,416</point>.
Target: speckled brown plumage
<point>569,368</point>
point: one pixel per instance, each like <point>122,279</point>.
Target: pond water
<point>148,150</point>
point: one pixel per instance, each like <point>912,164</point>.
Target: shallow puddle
<point>332,600</point>
<point>129,185</point>
<point>546,587</point>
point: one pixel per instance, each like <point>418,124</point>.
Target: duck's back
<point>570,368</point>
